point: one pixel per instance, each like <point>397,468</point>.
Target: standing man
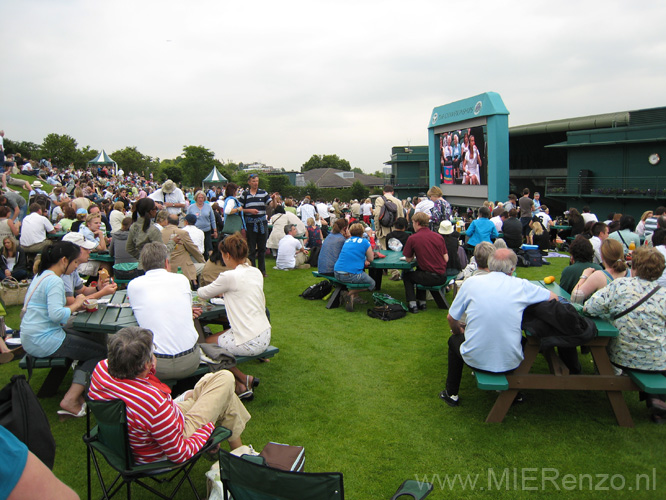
<point>430,251</point>
<point>380,230</point>
<point>169,196</point>
<point>525,204</point>
<point>254,202</point>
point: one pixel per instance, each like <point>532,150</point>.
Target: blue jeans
<point>360,278</point>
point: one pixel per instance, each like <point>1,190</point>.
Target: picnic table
<point>110,319</point>
<point>391,261</point>
<point>58,235</point>
<point>559,377</point>
<point>101,257</point>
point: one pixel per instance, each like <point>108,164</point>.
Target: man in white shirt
<point>170,197</point>
<point>587,216</point>
<point>34,230</point>
<point>599,234</point>
<point>544,215</point>
<point>196,234</point>
<point>291,253</point>
<point>162,302</point>
<point>498,220</point>
<point>307,211</point>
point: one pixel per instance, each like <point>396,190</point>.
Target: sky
<point>276,82</point>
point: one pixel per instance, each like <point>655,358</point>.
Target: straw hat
<point>168,187</point>
<point>37,184</point>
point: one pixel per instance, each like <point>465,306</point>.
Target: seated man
<point>158,427</point>
<point>196,234</point>
<point>431,256</point>
<point>291,253</point>
<point>185,253</point>
<point>582,253</point>
<point>73,283</point>
<point>162,302</point>
<point>34,229</point>
<point>491,340</point>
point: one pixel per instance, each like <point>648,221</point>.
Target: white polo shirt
<point>34,229</point>
<point>162,303</point>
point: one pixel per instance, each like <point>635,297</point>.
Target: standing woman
<point>472,164</point>
<point>205,220</point>
<point>366,211</point>
<point>42,334</point>
<point>142,231</point>
<point>232,206</point>
<point>242,288</point>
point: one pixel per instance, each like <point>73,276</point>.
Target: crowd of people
<point>170,242</point>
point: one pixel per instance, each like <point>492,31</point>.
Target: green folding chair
<point>248,479</point>
<point>109,438</point>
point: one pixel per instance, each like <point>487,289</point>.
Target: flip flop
<point>255,382</point>
<point>6,357</point>
<point>246,396</point>
<point>64,414</point>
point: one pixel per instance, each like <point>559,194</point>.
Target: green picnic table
<point>393,260</point>
<point>559,377</point>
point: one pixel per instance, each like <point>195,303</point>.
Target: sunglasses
<point>252,176</point>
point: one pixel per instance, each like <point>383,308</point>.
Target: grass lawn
<point>362,396</point>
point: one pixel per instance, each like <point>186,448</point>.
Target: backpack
<point>439,212</point>
<point>387,312</point>
<point>23,416</point>
<point>388,213</point>
<point>317,291</point>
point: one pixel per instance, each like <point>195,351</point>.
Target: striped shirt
<point>155,423</point>
<point>259,200</point>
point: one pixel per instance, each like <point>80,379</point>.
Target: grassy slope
<point>361,396</point>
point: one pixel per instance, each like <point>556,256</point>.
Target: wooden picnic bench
<point>559,377</point>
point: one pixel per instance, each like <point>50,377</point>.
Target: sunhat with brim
<point>168,187</point>
<point>79,240</point>
<point>445,227</point>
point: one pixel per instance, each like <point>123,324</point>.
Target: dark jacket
<point>558,324</point>
<point>513,233</point>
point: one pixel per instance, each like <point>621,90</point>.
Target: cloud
<point>278,82</point>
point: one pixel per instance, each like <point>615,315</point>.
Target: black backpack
<point>387,312</point>
<point>23,416</point>
<point>388,213</point>
<point>317,291</point>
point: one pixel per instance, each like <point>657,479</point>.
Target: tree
<point>131,160</point>
<point>26,149</point>
<point>326,161</point>
<point>84,155</point>
<point>60,148</point>
<point>359,191</point>
<point>173,172</point>
<point>279,183</point>
<point>197,162</point>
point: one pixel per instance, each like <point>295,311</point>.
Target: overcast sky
<point>277,82</point>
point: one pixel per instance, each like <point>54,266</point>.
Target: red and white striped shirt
<point>155,422</point>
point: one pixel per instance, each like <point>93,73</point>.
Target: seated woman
<point>331,247</point>
<point>13,261</point>
<point>7,226</point>
<point>279,220</point>
<point>538,235</point>
<point>43,336</point>
<point>612,259</point>
<point>242,288</point>
<point>349,268</point>
<point>641,343</point>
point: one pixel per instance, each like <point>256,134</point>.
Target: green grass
<point>361,396</point>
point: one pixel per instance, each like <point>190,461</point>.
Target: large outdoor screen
<point>463,156</point>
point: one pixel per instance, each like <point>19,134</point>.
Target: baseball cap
<point>80,211</point>
<point>79,240</point>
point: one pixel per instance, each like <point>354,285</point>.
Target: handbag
<point>12,292</point>
<point>233,222</point>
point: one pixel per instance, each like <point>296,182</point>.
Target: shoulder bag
<point>234,222</point>
<point>627,311</point>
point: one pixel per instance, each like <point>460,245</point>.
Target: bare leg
<point>73,399</point>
